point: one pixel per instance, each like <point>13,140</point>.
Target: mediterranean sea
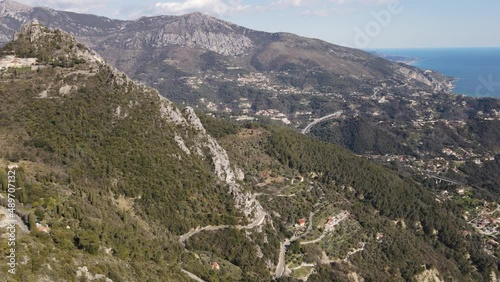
<point>476,70</point>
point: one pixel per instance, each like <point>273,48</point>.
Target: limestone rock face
<point>34,30</point>
<point>437,81</point>
<point>429,275</point>
<point>415,75</point>
<point>192,118</point>
<point>198,30</point>
<point>207,147</point>
<point>168,111</point>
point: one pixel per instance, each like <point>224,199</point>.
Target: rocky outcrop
<point>193,119</point>
<point>168,111</point>
<point>180,142</point>
<point>437,81</point>
<point>40,36</point>
<point>35,31</point>
<point>409,73</point>
<point>244,201</point>
<point>83,273</point>
<point>224,44</point>
<point>354,277</point>
<point>192,31</point>
<point>430,275</point>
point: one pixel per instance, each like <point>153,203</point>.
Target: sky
<point>363,24</point>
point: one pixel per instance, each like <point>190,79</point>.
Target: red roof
<point>302,221</point>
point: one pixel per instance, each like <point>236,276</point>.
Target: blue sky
<point>354,23</point>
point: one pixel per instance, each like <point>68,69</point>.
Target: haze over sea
<point>477,70</point>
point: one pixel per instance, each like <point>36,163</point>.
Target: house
<point>329,220</point>
<point>302,222</point>
<point>215,265</point>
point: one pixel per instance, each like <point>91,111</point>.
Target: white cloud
<point>299,3</point>
<point>364,1</point>
<point>220,8</point>
<point>290,3</point>
<point>323,11</point>
<point>316,13</point>
<point>224,7</point>
<point>213,7</point>
<point>79,6</point>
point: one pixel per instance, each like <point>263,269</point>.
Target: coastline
<point>474,72</point>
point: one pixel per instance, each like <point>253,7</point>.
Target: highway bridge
<point>334,115</point>
<point>442,178</point>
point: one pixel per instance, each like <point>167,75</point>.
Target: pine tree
<point>3,182</point>
<point>32,222</point>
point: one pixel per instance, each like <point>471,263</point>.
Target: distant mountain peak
<point>193,30</point>
<point>203,17</point>
<point>8,6</point>
<point>205,22</point>
<point>197,14</point>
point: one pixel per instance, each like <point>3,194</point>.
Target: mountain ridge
<point>190,30</point>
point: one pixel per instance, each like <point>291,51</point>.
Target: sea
<point>476,70</point>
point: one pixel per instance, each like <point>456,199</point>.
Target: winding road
<point>183,238</point>
<point>280,267</point>
<point>350,253</point>
<point>258,221</point>
<point>315,240</point>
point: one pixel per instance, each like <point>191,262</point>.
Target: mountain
<point>116,183</point>
<point>188,41</point>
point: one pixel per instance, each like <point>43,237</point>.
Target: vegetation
<point>392,197</point>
